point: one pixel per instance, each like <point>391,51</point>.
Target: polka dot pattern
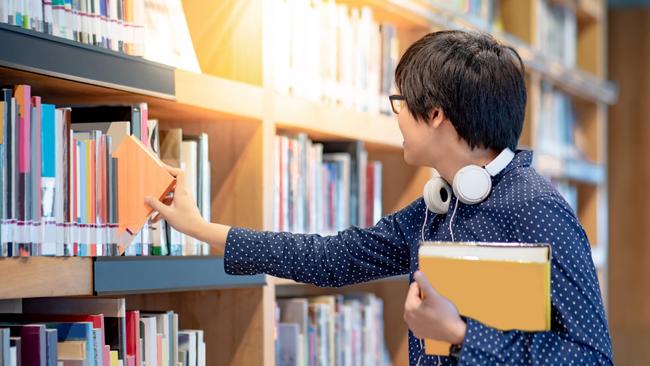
<point>523,207</point>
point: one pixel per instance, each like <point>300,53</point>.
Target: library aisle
<point>278,113</point>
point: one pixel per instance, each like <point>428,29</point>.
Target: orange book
<point>504,286</point>
<point>139,174</point>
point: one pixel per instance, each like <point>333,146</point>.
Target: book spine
<point>36,237</point>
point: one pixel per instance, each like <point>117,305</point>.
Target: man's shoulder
<point>525,186</point>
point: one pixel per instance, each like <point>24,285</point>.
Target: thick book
<point>506,286</point>
<point>139,174</point>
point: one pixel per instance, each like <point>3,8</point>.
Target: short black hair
<point>476,81</point>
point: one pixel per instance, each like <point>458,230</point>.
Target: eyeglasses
<point>397,102</point>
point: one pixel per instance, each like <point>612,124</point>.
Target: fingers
<point>177,173</point>
<point>163,210</point>
<point>157,217</point>
<point>426,289</point>
<point>173,171</point>
<point>412,297</point>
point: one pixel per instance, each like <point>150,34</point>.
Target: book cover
<point>35,184</point>
<point>189,161</point>
<point>139,174</point>
<point>72,350</point>
<point>288,345</point>
<point>5,348</point>
<point>51,340</point>
<point>33,345</point>
<point>23,105</point>
<point>78,332</point>
<point>505,286</point>
<point>133,348</point>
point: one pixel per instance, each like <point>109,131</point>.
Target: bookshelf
<point>234,102</point>
<point>46,276</point>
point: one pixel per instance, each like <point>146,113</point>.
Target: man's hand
<point>434,317</point>
<point>181,211</point>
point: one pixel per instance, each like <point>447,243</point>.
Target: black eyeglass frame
<point>396,98</point>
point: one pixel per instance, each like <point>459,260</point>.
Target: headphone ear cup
<point>437,195</point>
<point>472,184</point>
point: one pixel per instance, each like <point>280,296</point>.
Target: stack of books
<point>324,187</point>
<point>96,332</point>
<point>326,51</point>
<point>331,330</point>
<point>60,178</point>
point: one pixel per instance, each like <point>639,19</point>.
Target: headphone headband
<point>500,162</point>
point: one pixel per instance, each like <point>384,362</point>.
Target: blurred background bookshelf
<point>240,72</point>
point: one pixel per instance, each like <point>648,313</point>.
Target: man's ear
<point>437,117</point>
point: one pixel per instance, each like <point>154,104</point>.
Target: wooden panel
<point>205,91</point>
<point>533,89</point>
<point>402,183</point>
<point>588,133</point>
<point>231,319</point>
<point>236,168</point>
<point>519,18</point>
<point>227,37</point>
<point>591,48</point>
<point>322,122</point>
<point>406,37</point>
<point>45,276</point>
<point>629,176</point>
<point>588,211</point>
<point>392,292</point>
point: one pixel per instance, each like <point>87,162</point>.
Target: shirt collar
<point>522,159</point>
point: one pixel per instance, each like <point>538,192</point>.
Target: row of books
<point>557,32</point>
<point>325,51</point>
<point>341,330</point>
<point>324,187</point>
<point>557,132</point>
<point>59,178</point>
<point>485,10</point>
<point>96,332</point>
<point>117,25</point>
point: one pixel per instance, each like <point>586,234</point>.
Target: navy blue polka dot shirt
<point>522,207</point>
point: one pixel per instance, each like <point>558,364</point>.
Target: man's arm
<point>579,332</point>
<point>354,255</point>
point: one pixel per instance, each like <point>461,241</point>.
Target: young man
<point>461,109</point>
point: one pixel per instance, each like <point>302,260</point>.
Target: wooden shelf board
<point>210,93</point>
<point>400,13</point>
<point>54,56</point>
<point>128,275</point>
<point>45,277</point>
<point>293,114</point>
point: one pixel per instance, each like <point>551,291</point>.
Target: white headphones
<point>472,184</point>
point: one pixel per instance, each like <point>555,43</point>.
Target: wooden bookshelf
<point>45,276</point>
<point>235,104</point>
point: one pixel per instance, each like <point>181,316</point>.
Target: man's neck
<point>453,162</point>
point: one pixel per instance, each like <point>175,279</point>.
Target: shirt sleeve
<point>579,333</point>
<point>352,256</point>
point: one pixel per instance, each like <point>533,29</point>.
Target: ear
<point>437,117</point>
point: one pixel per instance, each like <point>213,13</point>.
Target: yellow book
<point>114,359</point>
<point>71,350</point>
<point>506,286</point>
